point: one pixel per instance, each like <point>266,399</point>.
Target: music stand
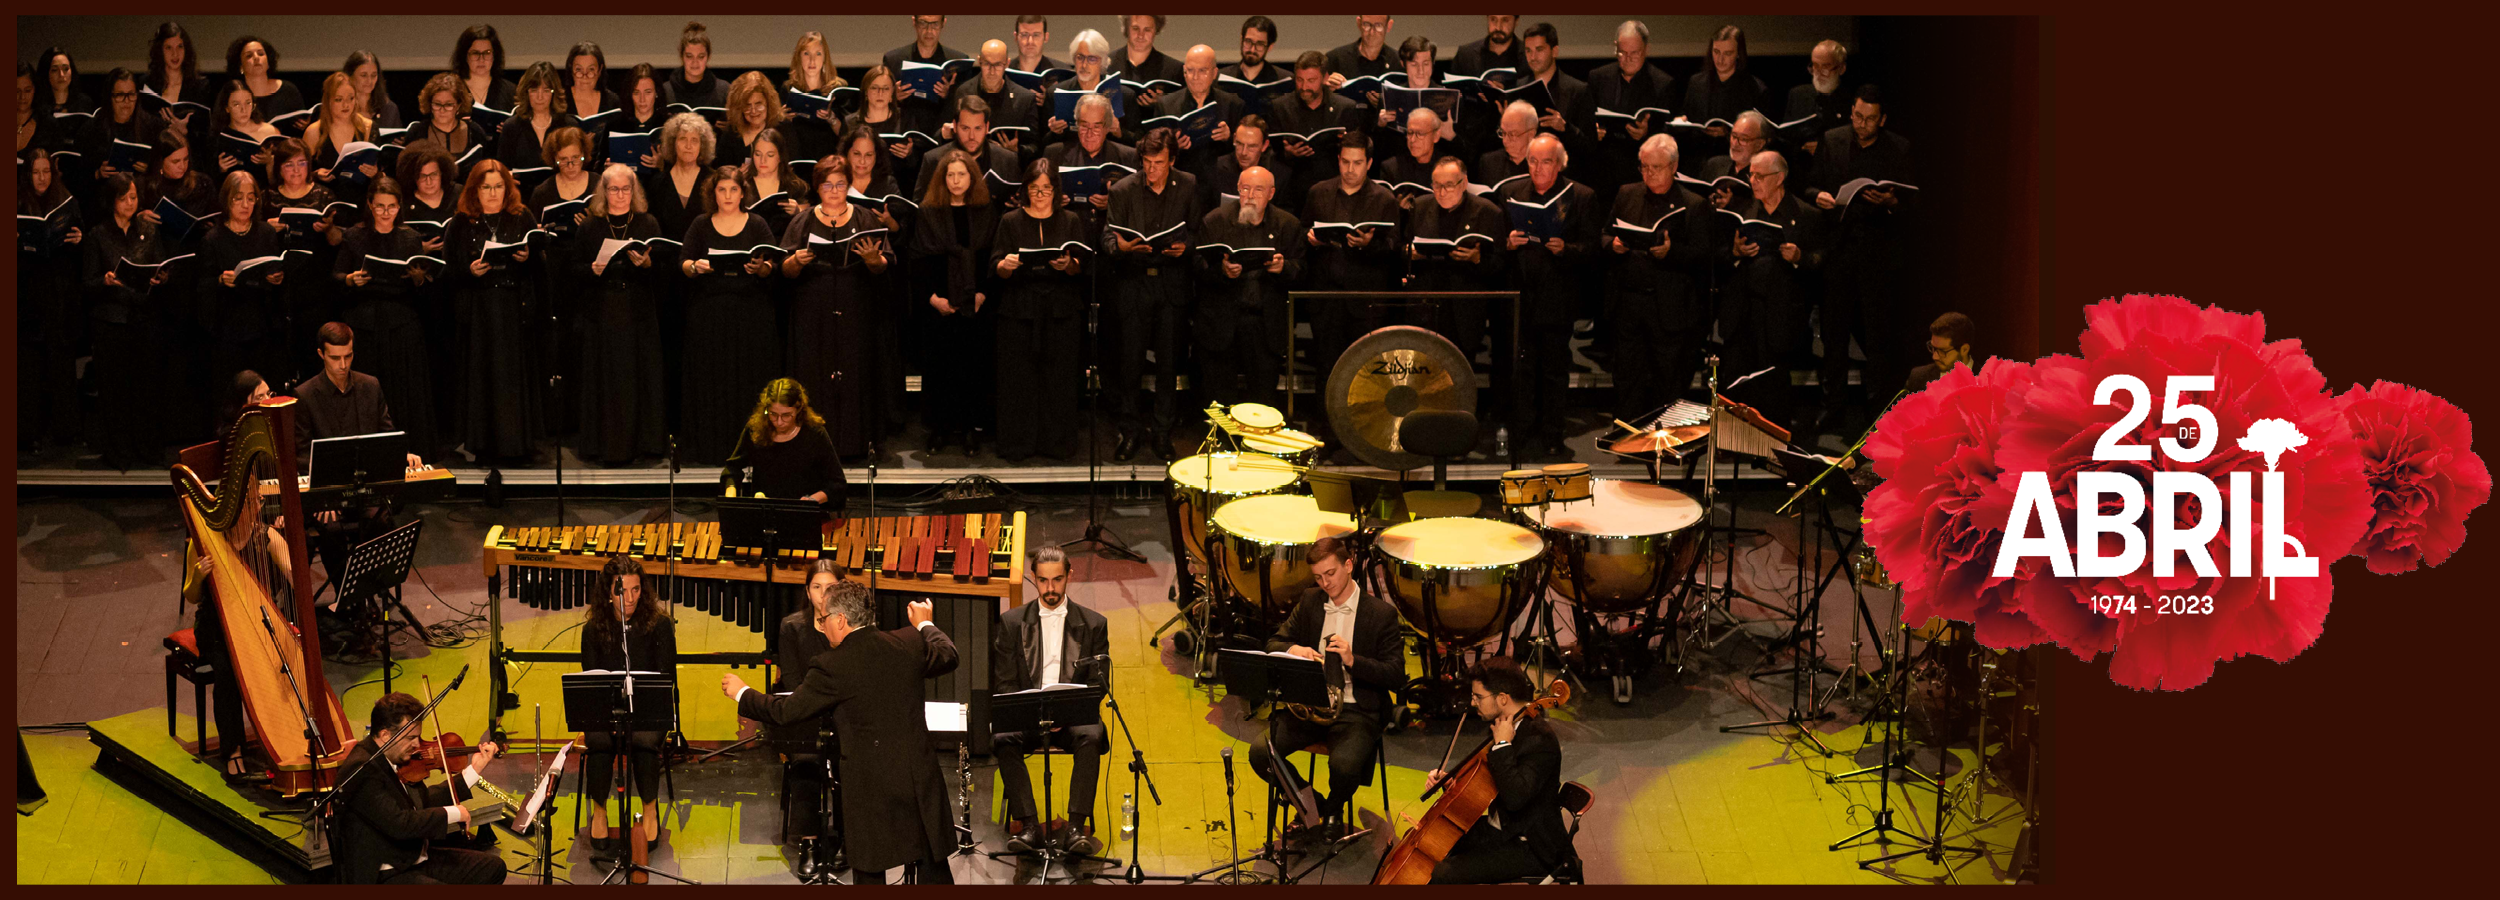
<point>603,702</point>
<point>1272,678</point>
<point>774,526</point>
<point>380,567</point>
<point>533,815</point>
<point>1360,496</point>
<point>1036,712</point>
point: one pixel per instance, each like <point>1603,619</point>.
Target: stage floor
<point>1678,801</point>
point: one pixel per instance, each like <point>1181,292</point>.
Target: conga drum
<point>1622,552</point>
<point>1459,580</point>
<point>1524,488</point>
<point>1266,542</point>
<point>1204,483</point>
<point>1568,482</point>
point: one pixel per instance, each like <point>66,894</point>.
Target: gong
<point>1386,376</point>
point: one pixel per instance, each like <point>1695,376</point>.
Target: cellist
<point>1521,834</point>
<point>388,830</point>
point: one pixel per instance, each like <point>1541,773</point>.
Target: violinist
<point>625,632</point>
<point>1356,639</point>
<point>1521,834</point>
<point>388,831</point>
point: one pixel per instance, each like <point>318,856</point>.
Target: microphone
<point>1228,770</point>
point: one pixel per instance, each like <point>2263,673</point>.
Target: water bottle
<point>1501,441</point>
<point>1128,816</point>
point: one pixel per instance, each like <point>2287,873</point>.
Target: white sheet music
<point>948,717</point>
<point>546,786</point>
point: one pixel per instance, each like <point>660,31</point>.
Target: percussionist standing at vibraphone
<point>786,447</point>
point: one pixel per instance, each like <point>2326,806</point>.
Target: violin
<point>431,755</point>
<point>1466,792</point>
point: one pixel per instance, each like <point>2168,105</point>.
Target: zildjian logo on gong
<point>1393,366</point>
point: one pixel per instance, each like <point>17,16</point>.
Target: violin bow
<point>442,754</point>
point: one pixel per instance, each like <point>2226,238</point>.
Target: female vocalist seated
<point>624,632</point>
<point>786,445</point>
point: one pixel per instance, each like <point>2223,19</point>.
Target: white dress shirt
<point>1340,621</point>
<point>1054,639</point>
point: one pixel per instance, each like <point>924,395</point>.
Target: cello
<point>1466,792</point>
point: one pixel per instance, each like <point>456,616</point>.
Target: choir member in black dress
<point>1510,159</point>
<point>1364,259</point>
<point>1250,150</point>
<point>1767,301</point>
<point>240,309</point>
<point>729,315</point>
<point>1657,290</point>
<point>58,99</point>
<point>1041,319</point>
<point>619,320</point>
<point>37,130</point>
<point>305,297</point>
<point>174,77</point>
<point>1238,326</point>
<point>767,170</point>
<point>598,109</point>
<point>237,115</point>
<point>1548,279</point>
<point>337,124</point>
<point>122,315</point>
<point>47,326</point>
<point>566,153</point>
<point>1865,271</point>
<point>864,153</point>
<point>1032,44</point>
<point>1198,89</point>
<point>1150,293</point>
<point>643,113</point>
<point>783,452</point>
<point>681,164</point>
<point>950,285</point>
<point>1367,54</point>
<point>431,199</point>
<point>1450,214</point>
<point>623,630</point>
<point>1139,63</point>
<point>1258,35</point>
<point>1573,116</point>
<point>379,291</point>
<point>1014,111</point>
<point>559,202</point>
<point>1824,95</point>
<point>121,120</point>
<point>1090,57</point>
<point>364,70</point>
<point>924,48</point>
<point>1312,108</point>
<point>695,86</point>
<point>811,72</point>
<point>838,264</point>
<point>493,299</point>
<point>1627,85</point>
<point>879,110</point>
<point>171,179</point>
<point>477,63</point>
<point>255,63</point>
<point>444,101</point>
<point>541,109</point>
<point>1720,90</point>
<point>754,109</point>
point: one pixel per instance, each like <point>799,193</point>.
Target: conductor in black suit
<point>1521,834</point>
<point>1356,637</point>
<point>870,682</point>
<point>386,829</point>
<point>1050,641</point>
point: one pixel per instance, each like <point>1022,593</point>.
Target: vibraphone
<point>557,568</point>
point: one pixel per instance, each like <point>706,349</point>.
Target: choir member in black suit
<point>1719,91</point>
<point>694,85</point>
<point>783,453</point>
<point>1657,290</point>
<point>811,72</point>
<point>541,109</point>
<point>620,326</point>
<point>126,362</point>
<point>432,198</point>
<point>174,77</point>
<point>1418,152</point>
<point>971,136</point>
<point>121,119</point>
<point>1627,85</point>
<point>494,297</point>
<point>1522,834</point>
<point>1237,326</point>
<point>838,262</point>
<point>1198,89</point>
<point>1573,117</point>
<point>870,683</point>
<point>1356,638</point>
<point>1014,111</point>
<point>1749,137</point>
<point>47,296</point>
<point>1767,299</point>
<point>364,70</point>
<point>1389,129</point>
<point>1368,54</point>
<point>623,630</point>
<point>338,124</point>
<point>1041,319</point>
<point>1258,35</point>
<point>444,102</point>
<point>1865,271</point>
<point>586,94</point>
<point>240,310</point>
<point>395,349</point>
<point>1311,108</point>
<point>1366,259</point>
<point>924,48</point>
<point>1032,44</point>
<point>238,115</point>
<point>729,314</point>
<point>1499,49</point>
<point>171,179</point>
<point>59,91</point>
<point>1510,160</point>
<point>255,63</point>
<point>754,109</point>
<point>1150,291</point>
<point>950,286</point>
<point>1451,213</point>
<point>389,832</point>
<point>1824,95</point>
<point>1094,147</point>
<point>1090,57</point>
<point>306,297</point>
<point>803,765</point>
<point>1547,273</point>
<point>1250,150</point>
<point>1139,64</point>
<point>1045,642</point>
<point>477,62</point>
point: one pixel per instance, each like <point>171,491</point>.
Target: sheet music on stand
<point>528,814</point>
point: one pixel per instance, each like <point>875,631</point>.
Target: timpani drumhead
<point>1280,519</point>
<point>1232,473</point>
<point>1624,509</point>
<point>1460,543</point>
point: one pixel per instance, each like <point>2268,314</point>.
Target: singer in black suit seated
<point>870,683</point>
<point>622,631</point>
<point>386,830</point>
<point>1357,640</point>
<point>803,763</point>
<point>1521,834</point>
<point>1050,641</point>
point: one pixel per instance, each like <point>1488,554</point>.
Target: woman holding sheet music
<point>522,143</point>
<point>58,91</point>
<point>35,129</point>
<point>593,105</point>
<point>174,77</point>
<point>754,110</point>
<point>682,157</point>
<point>364,71</point>
<point>948,297</point>
<point>444,102</point>
<point>641,114</point>
<point>695,86</point>
<point>767,170</point>
<point>879,112</point>
<point>1040,255</point>
<point>560,203</point>
<point>47,277</point>
<point>812,73</point>
<point>239,305</point>
<point>867,160</point>
<point>305,297</point>
<point>377,265</point>
<point>619,318</point>
<point>186,196</point>
<point>239,116</point>
<point>728,316</point>
<point>838,263</point>
<point>493,297</point>
<point>255,63</point>
<point>431,198</point>
<point>477,64</point>
<point>128,377</point>
<point>340,124</point>
<point>120,132</point>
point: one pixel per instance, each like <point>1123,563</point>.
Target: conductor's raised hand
<point>919,612</point>
<point>731,685</point>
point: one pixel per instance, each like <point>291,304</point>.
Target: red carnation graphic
<point>2418,453</point>
<point>1935,521</point>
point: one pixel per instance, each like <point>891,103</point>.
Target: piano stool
<point>182,659</point>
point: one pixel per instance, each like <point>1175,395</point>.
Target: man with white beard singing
<point>1822,97</point>
<point>1248,252</point>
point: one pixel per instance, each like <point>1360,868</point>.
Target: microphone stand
<point>1140,781</point>
<point>1106,542</point>
<point>554,384</point>
<point>312,730</point>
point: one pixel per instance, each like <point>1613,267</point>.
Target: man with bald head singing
<point>1248,252</point>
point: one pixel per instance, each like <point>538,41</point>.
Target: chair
<point>1444,435</point>
<point>1576,799</point>
<point>182,660</point>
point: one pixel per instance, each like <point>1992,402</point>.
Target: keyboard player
<point>342,402</point>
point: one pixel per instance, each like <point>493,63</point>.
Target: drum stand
<point>1895,699</point>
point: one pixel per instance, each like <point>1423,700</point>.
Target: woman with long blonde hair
<point>787,451</point>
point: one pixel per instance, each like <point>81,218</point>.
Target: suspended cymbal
<point>1386,376</point>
